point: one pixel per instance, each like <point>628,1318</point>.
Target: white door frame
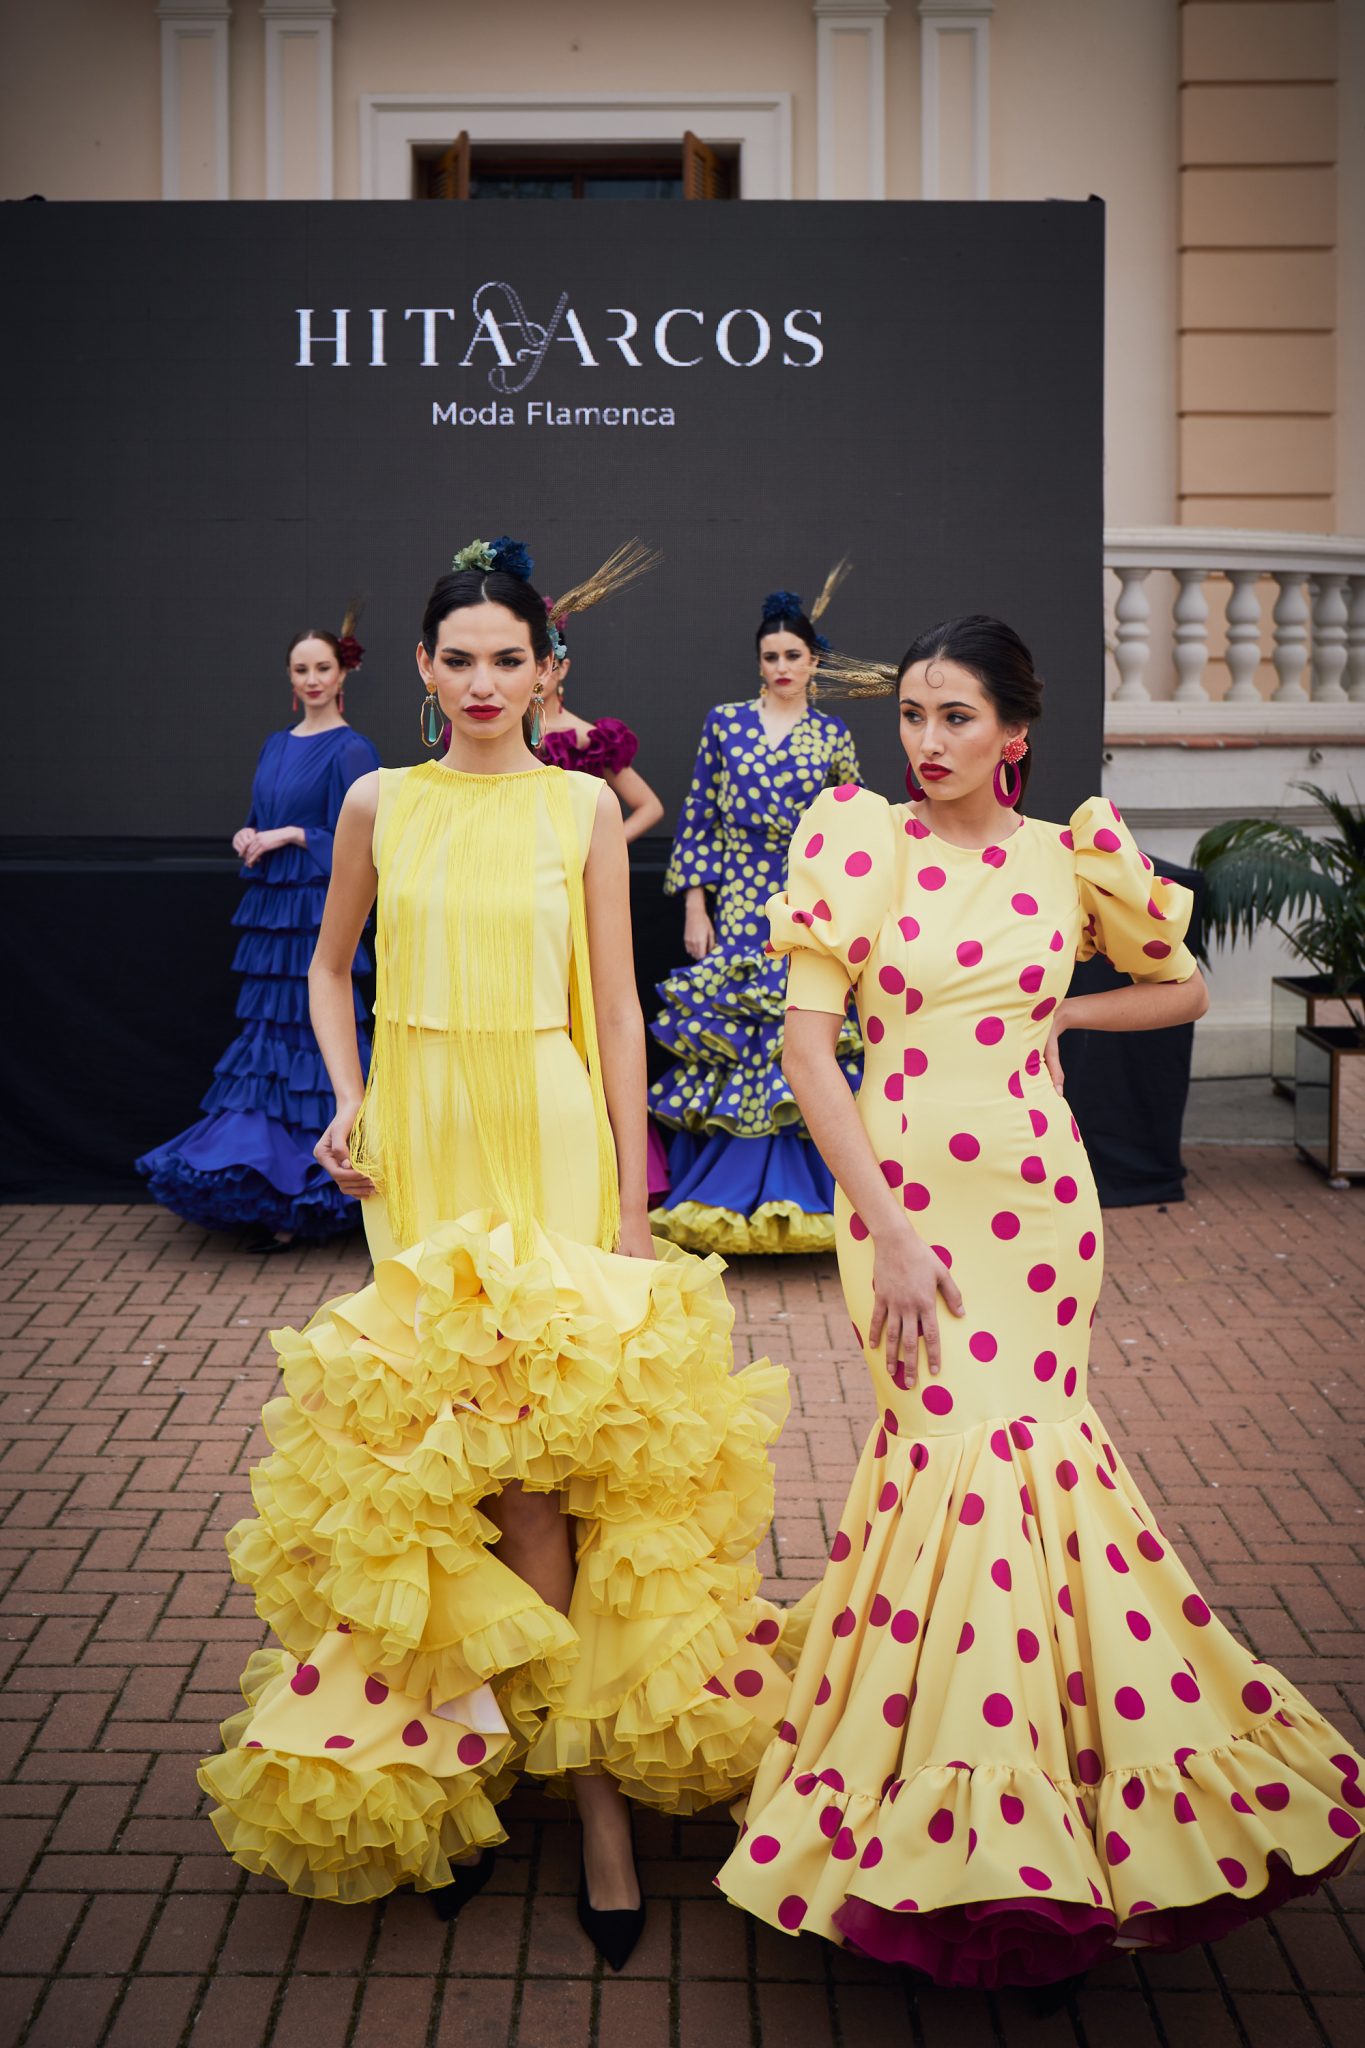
<point>392,124</point>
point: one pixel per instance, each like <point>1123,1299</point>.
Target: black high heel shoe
<point>613,1935</point>
<point>469,1880</point>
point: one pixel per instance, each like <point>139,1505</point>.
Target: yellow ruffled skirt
<point>418,1674</point>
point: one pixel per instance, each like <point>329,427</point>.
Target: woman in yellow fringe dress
<point>1017,1735</point>
<point>511,1515</point>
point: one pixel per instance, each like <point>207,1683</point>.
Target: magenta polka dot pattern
<point>1009,1672</point>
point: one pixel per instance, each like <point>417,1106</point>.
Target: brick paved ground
<point>1228,1353</point>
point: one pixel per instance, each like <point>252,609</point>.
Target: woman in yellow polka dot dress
<point>745,1177</point>
<point>1017,1735</point>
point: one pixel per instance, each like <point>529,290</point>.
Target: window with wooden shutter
<point>494,170</point>
<point>703,173</point>
<point>448,176</point>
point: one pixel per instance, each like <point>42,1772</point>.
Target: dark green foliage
<point>1311,890</point>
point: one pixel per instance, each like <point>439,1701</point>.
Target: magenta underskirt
<point>1027,1942</point>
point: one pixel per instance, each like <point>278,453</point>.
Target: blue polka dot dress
<point>746,1177</point>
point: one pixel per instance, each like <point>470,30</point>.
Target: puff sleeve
<point>839,888</point>
<point>696,858</point>
<point>617,746</point>
<point>1132,915</point>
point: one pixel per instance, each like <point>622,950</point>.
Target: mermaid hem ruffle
<point>981,1779</point>
<point>845,1855</point>
<point>457,1372</point>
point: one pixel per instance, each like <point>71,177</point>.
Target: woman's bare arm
<point>643,808</point>
<point>1142,1006</point>
<point>350,899</point>
<point>620,1026</point>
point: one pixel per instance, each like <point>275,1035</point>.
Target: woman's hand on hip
<point>907,1279</point>
<point>1052,1057</point>
<point>333,1153</point>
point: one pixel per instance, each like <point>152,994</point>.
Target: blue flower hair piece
<point>513,557</point>
<point>822,644</point>
<point>783,604</point>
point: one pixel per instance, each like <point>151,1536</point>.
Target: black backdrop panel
<point>180,496</point>
<point>1128,1089</point>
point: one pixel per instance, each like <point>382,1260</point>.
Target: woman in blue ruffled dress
<point>745,1176</point>
<point>249,1160</point>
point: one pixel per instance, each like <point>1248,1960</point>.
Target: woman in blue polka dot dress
<point>746,1177</point>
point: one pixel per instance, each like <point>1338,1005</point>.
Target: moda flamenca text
<point>536,412</point>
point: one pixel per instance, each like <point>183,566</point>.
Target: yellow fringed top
<point>471,868</point>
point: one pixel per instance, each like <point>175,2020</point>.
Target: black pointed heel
<point>613,1935</point>
<point>468,1882</point>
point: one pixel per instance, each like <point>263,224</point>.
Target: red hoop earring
<point>1009,787</point>
<point>912,788</point>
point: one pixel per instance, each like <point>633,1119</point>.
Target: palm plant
<point>1311,890</point>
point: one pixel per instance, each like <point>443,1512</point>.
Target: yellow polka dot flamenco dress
<point>502,1339</point>
<point>1017,1735</point>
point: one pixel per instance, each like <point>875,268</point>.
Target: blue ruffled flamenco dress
<point>249,1160</point>
<point>745,1175</point>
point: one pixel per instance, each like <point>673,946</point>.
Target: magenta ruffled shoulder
<point>610,746</point>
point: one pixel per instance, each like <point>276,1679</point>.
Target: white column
<point>1191,636</point>
<point>969,22</point>
<point>1329,638</point>
<point>195,149</point>
<point>1355,642</point>
<point>298,98</point>
<point>850,99</point>
<point>1291,638</point>
<point>1244,636</point>
<point>1133,647</point>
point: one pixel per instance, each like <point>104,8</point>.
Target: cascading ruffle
<point>350,1831</point>
<point>735,1196</point>
<point>722,1019</point>
<point>249,1160</point>
<point>603,1379</point>
<point>976,1780</point>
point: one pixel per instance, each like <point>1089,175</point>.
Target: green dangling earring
<point>433,720</point>
<point>537,720</point>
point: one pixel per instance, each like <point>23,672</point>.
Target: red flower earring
<point>1009,785</point>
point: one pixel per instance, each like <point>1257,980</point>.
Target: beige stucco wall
<point>1236,287</point>
<point>1057,133</point>
<point>82,116</point>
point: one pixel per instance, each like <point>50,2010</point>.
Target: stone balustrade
<point>1313,637</point>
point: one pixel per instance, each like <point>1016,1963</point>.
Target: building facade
<point>1226,137</point>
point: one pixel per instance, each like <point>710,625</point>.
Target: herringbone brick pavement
<point>1228,1354</point>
